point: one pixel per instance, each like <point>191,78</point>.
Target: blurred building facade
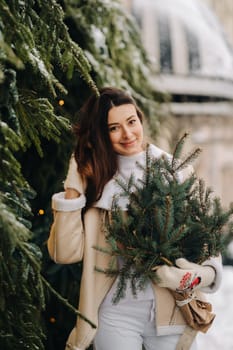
<point>190,44</point>
<point>224,11</point>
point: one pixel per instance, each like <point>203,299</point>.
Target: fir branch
<point>178,149</point>
<point>39,23</point>
<point>34,263</point>
<point>47,124</point>
<point>165,261</point>
<point>66,303</point>
<point>14,272</point>
<point>10,167</point>
<point>168,219</point>
<point>8,55</point>
<point>189,159</point>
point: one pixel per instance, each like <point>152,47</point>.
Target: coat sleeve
<point>66,239</point>
<point>216,264</point>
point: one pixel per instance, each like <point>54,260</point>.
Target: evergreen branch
<point>189,159</point>
<point>44,23</point>
<point>16,317</point>
<point>168,215</point>
<point>8,55</point>
<point>178,149</point>
<point>109,272</point>
<point>102,250</point>
<point>47,124</point>
<point>51,289</point>
<point>178,234</point>
<point>66,303</point>
<point>164,260</point>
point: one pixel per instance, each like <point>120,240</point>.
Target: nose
<point>126,132</point>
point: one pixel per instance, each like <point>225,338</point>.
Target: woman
<point>110,141</point>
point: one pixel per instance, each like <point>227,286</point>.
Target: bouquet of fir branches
<point>170,214</point>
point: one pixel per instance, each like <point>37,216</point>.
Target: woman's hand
<point>70,193</point>
<point>73,183</point>
<point>185,276</point>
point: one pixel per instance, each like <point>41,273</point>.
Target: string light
<point>52,320</point>
<point>61,102</point>
<point>41,212</point>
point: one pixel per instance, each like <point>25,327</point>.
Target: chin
<point>131,152</point>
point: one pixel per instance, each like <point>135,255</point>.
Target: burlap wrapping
<point>197,313</point>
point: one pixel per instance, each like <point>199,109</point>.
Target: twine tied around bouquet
<point>197,313</point>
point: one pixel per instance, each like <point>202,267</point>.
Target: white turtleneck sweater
<point>127,166</point>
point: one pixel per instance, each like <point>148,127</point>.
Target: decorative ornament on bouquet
<point>170,215</point>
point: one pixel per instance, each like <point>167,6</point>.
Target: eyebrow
<point>131,116</point>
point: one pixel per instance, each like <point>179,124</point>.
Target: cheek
<point>114,142</point>
<point>113,138</point>
<point>140,130</point>
<point>110,138</point>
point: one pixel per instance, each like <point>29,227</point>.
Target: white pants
<point>128,326</point>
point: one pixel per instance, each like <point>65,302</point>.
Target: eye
<point>113,128</point>
<point>132,121</point>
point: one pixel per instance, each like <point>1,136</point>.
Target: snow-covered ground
<point>220,335</point>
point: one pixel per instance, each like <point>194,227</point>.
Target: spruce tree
<point>50,61</point>
<point>34,43</point>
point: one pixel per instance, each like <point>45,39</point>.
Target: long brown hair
<point>94,154</point>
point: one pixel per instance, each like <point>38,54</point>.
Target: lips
<point>129,143</point>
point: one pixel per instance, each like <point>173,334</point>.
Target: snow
<point>220,335</point>
<point>34,56</point>
<point>99,39</point>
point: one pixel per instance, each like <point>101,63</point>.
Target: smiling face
<point>125,130</point>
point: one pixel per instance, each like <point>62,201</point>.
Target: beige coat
<point>72,240</point>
